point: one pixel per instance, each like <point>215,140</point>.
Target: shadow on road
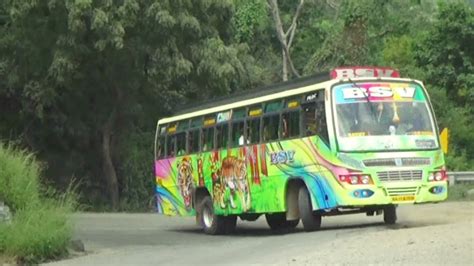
<point>245,230</point>
<point>248,230</point>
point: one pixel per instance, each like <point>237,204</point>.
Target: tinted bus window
<point>238,134</point>
<point>222,136</point>
<point>208,139</point>
<point>270,127</point>
<point>170,143</point>
<point>181,144</point>
<point>309,119</point>
<point>322,129</point>
<point>193,141</point>
<point>290,125</point>
<point>253,131</point>
<point>160,148</point>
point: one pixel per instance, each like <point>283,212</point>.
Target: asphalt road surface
<point>441,234</point>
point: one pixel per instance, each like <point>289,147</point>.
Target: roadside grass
<point>459,191</point>
<point>40,228</point>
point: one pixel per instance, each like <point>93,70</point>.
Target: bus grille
<point>413,161</point>
<point>409,175</point>
<point>401,191</point>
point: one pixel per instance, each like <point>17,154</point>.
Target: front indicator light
<point>436,190</point>
<point>363,193</point>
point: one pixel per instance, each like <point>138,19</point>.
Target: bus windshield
<point>383,116</point>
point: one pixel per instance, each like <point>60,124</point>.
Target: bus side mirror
<point>444,140</point>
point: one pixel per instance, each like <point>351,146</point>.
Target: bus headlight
<point>431,177</point>
<point>365,179</point>
<point>438,176</point>
<point>354,179</point>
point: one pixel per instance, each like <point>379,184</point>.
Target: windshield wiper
<point>366,96</point>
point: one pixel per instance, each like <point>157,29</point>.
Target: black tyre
<point>390,214</point>
<point>211,223</point>
<point>311,220</point>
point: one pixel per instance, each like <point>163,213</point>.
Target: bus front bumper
<point>396,194</point>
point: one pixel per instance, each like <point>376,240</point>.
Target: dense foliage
<point>82,83</point>
<point>40,228</point>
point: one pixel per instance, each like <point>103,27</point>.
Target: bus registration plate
<point>403,198</point>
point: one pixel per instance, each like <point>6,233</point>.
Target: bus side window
<point>290,125</point>
<point>193,141</point>
<point>253,131</point>
<point>181,144</point>
<point>160,148</point>
<point>238,134</point>
<point>170,145</point>
<point>322,128</point>
<point>309,119</point>
<point>208,139</point>
<point>222,135</point>
<point>270,127</point>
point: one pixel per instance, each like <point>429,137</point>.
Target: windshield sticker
<point>379,92</point>
<point>376,92</point>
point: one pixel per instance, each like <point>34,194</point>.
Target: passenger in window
<point>310,121</point>
<point>311,129</point>
<point>241,138</point>
<point>266,133</point>
<point>203,141</point>
<point>284,127</point>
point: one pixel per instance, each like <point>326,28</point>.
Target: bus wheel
<point>277,221</point>
<point>390,214</point>
<point>311,221</point>
<point>211,223</point>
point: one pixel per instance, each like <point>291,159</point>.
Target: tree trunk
<point>108,165</point>
<point>285,66</point>
<point>285,38</point>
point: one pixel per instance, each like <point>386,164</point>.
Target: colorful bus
<point>357,140</point>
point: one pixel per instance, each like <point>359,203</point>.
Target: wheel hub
<point>208,217</point>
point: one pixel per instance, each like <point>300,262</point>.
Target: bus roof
<point>246,97</point>
<point>262,94</point>
<point>256,92</point>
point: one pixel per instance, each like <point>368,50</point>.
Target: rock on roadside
<point>5,214</point>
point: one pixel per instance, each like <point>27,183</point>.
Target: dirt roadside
<point>439,234</point>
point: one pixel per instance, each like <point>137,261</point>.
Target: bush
<point>40,228</point>
<point>459,191</point>
<point>19,178</point>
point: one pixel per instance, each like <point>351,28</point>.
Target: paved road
<point>425,234</point>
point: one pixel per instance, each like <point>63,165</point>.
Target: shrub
<point>40,228</point>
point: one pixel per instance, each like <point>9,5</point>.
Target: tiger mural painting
<point>185,181</point>
<point>232,176</point>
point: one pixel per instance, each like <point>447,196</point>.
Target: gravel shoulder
<point>425,234</point>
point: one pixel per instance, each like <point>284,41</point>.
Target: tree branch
<point>292,27</point>
<point>283,37</point>
<point>277,20</point>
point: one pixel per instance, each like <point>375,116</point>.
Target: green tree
<point>82,78</point>
<point>446,55</point>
